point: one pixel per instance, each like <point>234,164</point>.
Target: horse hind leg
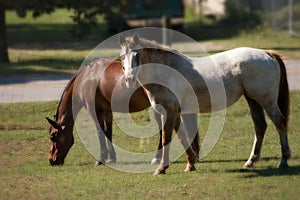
<point>190,122</point>
<point>186,135</point>
<point>276,117</point>
<point>260,126</point>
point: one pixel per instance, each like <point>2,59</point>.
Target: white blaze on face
<point>129,66</point>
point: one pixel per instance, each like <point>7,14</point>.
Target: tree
<point>20,6</point>
<point>3,39</point>
<point>84,17</point>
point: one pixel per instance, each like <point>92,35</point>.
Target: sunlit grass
<point>60,16</point>
<point>25,172</point>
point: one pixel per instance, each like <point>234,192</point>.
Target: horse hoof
<point>159,171</point>
<point>111,161</point>
<point>190,168</point>
<point>283,164</point>
<point>248,165</point>
<point>155,161</point>
<point>99,163</point>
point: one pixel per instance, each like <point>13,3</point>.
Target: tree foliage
<point>84,14</point>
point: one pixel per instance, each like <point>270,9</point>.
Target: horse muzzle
<point>56,162</point>
<point>130,81</point>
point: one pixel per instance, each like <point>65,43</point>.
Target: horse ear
<point>53,123</point>
<point>121,39</point>
<point>136,38</point>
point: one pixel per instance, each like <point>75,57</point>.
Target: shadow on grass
<point>238,160</point>
<point>208,32</point>
<point>52,66</point>
<point>268,172</point>
<point>56,36</point>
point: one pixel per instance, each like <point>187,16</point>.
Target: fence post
<point>165,25</point>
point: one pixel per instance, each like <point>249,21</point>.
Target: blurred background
<point>54,35</point>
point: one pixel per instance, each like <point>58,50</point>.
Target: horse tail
<point>283,95</point>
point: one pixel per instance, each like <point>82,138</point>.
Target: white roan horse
<point>257,74</point>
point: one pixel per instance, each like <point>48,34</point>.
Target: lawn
<point>26,174</point>
<point>43,45</point>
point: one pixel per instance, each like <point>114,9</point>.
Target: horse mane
<point>151,44</point>
<point>69,84</point>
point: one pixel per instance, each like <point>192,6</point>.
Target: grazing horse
<point>257,74</point>
<point>92,87</point>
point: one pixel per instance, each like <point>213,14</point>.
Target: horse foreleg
<point>102,140</point>
<point>167,129</point>
<point>260,126</point>
<point>108,131</point>
<point>100,127</point>
<point>103,148</point>
<point>158,154</point>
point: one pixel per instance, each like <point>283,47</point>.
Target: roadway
<point>50,87</point>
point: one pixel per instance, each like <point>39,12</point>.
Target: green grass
<point>43,45</point>
<point>265,38</point>
<point>42,62</point>
<point>26,174</point>
<point>60,16</point>
<point>47,29</point>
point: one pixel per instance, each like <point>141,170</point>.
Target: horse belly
<point>138,101</point>
<point>126,100</point>
<point>234,90</point>
<point>218,93</point>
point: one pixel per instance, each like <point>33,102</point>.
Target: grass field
<point>43,45</point>
<point>26,174</point>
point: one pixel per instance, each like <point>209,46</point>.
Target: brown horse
<point>92,87</point>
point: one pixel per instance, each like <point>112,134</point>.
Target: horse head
<point>61,140</point>
<point>130,57</point>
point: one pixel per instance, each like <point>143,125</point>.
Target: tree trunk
<point>3,39</point>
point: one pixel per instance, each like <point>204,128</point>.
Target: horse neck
<point>165,57</point>
<point>66,112</point>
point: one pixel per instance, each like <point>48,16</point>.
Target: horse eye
<point>123,68</point>
<point>122,57</point>
<point>53,136</point>
<point>137,58</point>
